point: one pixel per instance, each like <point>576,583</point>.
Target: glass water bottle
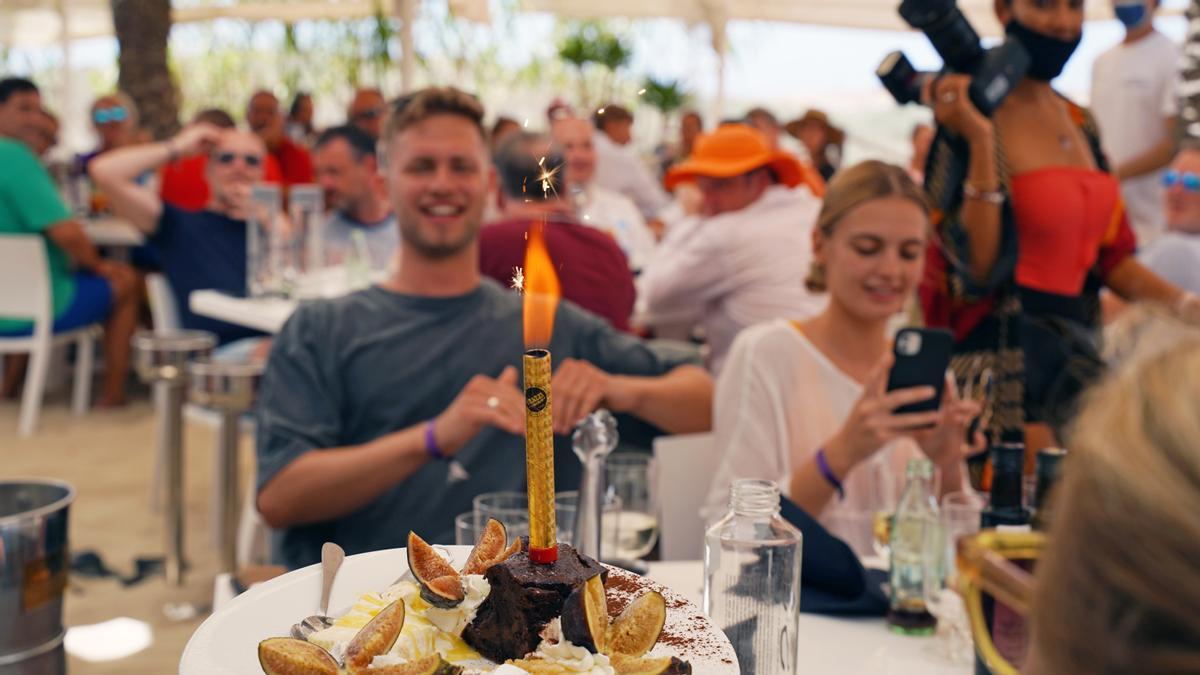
<point>917,550</point>
<point>752,579</point>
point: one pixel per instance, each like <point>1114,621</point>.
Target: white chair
<point>25,294</point>
<point>686,464</point>
<point>253,534</point>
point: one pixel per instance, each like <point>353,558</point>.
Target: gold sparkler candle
<point>541,300</point>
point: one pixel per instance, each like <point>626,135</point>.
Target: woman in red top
<point>1031,227</point>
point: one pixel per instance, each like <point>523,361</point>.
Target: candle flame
<point>541,290</point>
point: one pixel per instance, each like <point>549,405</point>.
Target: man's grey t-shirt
<point>349,370</point>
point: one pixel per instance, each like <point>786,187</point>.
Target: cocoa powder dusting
<point>685,634</point>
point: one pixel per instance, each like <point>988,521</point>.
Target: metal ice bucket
<point>34,562</point>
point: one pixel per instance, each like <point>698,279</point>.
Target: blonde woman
<point>805,403</point>
<point>1118,589</point>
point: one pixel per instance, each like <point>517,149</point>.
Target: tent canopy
<point>30,23</point>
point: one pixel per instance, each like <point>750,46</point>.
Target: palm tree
<point>666,96</point>
<point>591,42</point>
<point>142,28</point>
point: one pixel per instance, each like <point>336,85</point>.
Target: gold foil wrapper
<point>539,453</point>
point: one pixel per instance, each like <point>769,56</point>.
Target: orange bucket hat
<point>732,150</point>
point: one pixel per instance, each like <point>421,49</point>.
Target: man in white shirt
<point>744,259</point>
<point>1134,108</point>
<point>618,167</point>
<point>598,206</point>
<point>1175,256</point>
<point>360,216</point>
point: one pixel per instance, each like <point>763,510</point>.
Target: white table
<point>113,231</point>
<point>833,645</point>
<point>265,314</point>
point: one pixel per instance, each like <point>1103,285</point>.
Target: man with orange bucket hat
<point>743,259</point>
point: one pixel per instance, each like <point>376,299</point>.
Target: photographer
<point>1031,226</point>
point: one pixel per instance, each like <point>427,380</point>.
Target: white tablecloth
<point>112,231</point>
<point>834,645</point>
<point>265,314</point>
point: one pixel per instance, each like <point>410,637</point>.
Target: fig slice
<point>585,616</point>
<point>489,547</point>
<point>377,637</point>
<point>636,630</point>
<point>441,585</point>
<point>289,656</point>
<point>433,664</point>
<point>665,665</point>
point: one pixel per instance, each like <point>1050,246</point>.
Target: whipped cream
<point>455,619</point>
<point>568,656</point>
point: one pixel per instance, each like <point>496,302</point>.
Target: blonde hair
<point>411,109</point>
<point>853,187</point>
<point>1118,588</point>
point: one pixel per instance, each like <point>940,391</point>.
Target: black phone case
<point>925,368</point>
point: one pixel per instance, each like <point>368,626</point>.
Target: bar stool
<point>229,389</point>
<point>161,361</point>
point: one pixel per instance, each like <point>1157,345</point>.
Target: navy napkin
<point>833,580</point>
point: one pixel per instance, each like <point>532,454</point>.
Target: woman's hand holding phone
<point>873,422</point>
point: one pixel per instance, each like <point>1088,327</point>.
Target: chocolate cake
<point>525,596</point>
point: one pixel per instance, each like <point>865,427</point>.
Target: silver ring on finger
<point>949,97</point>
<point>493,402</point>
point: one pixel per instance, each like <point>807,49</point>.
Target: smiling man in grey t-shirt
<point>388,410</point>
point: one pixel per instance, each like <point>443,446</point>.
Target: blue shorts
<point>93,303</point>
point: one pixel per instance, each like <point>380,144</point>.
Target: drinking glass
<point>510,508</point>
<point>466,529</point>
<point>633,479</point>
<point>960,518</point>
<point>566,505</point>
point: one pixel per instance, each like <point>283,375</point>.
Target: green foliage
<point>592,43</point>
<point>665,95</point>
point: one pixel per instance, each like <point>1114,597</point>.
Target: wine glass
<point>510,508</point>
<point>633,479</point>
<point>960,518</point>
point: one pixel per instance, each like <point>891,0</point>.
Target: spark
<point>641,92</point>
<point>600,111</point>
<point>546,177</point>
<point>518,279</point>
<point>526,122</point>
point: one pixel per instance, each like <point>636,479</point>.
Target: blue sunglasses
<point>106,115</point>
<point>1188,180</point>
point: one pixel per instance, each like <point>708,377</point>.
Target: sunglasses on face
<point>1185,179</point>
<point>369,114</point>
<point>227,158</point>
<point>106,115</point>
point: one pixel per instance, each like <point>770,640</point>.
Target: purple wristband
<point>431,445</point>
<point>823,465</point>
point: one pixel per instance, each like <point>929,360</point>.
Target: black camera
<point>994,72</point>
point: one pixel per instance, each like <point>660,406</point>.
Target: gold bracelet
<point>989,196</point>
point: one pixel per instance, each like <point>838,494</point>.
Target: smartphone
<point>922,356</point>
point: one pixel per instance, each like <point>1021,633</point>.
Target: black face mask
<point>1047,55</point>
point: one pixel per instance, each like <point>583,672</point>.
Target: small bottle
<point>1049,467</point>
<point>916,544</point>
<point>752,579</point>
<point>1006,509</point>
<point>1006,506</point>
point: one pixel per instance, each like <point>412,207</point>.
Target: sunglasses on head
<point>105,115</point>
<point>228,157</point>
<point>1186,179</point>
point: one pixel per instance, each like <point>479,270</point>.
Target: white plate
<point>227,642</point>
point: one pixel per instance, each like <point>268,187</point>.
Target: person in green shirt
<point>84,287</point>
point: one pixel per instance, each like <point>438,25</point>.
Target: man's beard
<point>414,239</point>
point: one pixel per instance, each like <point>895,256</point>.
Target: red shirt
<point>295,162</point>
<point>183,184</point>
<point>592,269</point>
